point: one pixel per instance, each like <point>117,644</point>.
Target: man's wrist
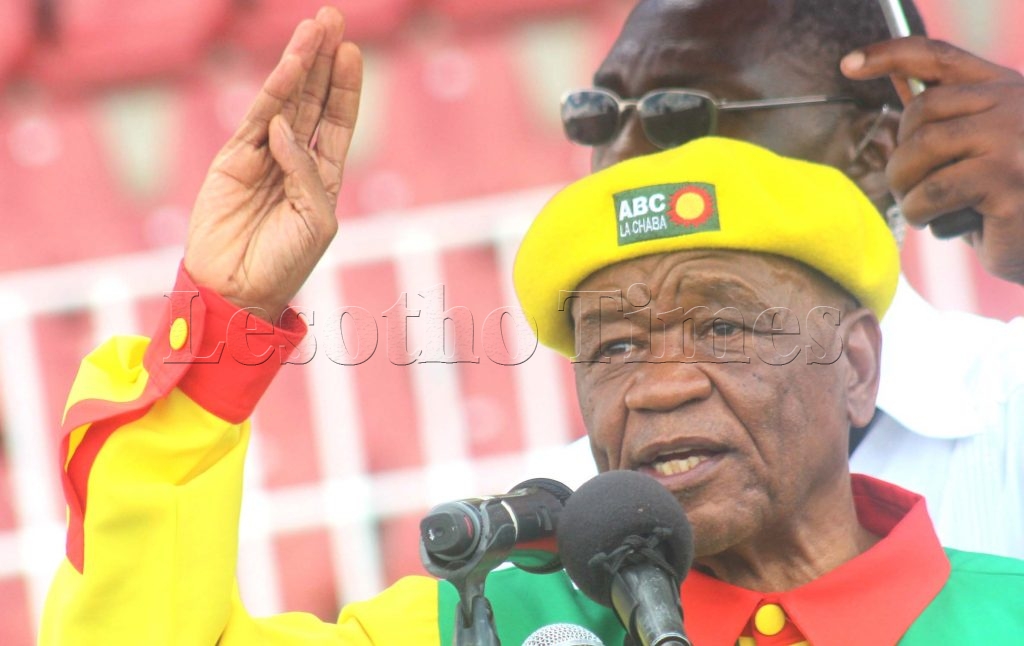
<point>222,356</point>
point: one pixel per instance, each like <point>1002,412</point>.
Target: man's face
<point>747,448</point>
<point>729,48</point>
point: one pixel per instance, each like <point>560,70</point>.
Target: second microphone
<point>522,521</point>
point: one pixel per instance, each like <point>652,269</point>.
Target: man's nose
<point>666,386</point>
<point>628,143</point>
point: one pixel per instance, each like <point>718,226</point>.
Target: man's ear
<point>871,145</point>
<point>862,349</point>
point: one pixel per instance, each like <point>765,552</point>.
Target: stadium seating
<point>58,182</point>
<point>88,42</point>
<point>461,101</point>
<point>265,25</point>
<point>16,30</point>
<point>476,11</point>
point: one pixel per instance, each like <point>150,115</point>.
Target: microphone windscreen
<point>608,509</point>
<point>562,635</point>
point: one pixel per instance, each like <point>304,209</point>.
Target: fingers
<point>998,244</point>
<point>313,94</point>
<point>935,146</point>
<point>944,191</point>
<point>339,116</point>
<point>959,143</point>
<point>281,84</point>
<point>301,178</point>
<point>945,102</point>
<point>932,61</point>
<point>946,124</point>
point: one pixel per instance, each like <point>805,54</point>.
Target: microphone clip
<point>463,541</point>
<point>474,617</point>
<point>633,551</point>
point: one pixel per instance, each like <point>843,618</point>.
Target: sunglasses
<point>669,117</point>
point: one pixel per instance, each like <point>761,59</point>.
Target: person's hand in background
<point>961,142</point>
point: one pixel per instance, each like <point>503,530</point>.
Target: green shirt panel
<point>982,604</point>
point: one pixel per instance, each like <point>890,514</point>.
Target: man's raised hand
<point>266,211</point>
<point>961,142</point>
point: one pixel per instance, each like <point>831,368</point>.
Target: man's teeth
<point>679,465</point>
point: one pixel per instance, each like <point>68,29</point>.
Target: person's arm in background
<point>961,142</point>
<point>156,441</point>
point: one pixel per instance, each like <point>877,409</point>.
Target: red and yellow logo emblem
<point>690,206</point>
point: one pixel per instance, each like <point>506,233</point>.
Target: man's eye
<point>725,328</point>
<point>616,348</point>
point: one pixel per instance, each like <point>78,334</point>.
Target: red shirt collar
<point>871,599</point>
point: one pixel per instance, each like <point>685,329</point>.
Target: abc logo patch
<point>665,210</point>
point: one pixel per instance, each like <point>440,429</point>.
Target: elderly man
<point>751,441</point>
<point>950,424</point>
<point>700,275</point>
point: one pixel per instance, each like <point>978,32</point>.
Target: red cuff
<point>221,356</point>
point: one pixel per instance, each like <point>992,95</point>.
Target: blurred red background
<point>110,112</point>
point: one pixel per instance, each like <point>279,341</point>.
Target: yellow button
<point>769,619</point>
<point>179,333</point>
<point>746,641</point>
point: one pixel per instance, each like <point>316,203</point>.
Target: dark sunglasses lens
<point>590,118</point>
<point>672,118</point>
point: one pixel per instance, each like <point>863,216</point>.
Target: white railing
<point>347,500</point>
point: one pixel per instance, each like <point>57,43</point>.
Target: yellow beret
<point>711,193</point>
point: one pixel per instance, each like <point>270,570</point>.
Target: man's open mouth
<point>676,464</point>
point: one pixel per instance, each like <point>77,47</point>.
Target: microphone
<point>521,522</point>
<point>627,545</point>
<point>562,635</point>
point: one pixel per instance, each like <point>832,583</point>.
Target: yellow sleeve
<point>159,531</point>
<point>153,482</point>
<point>404,614</point>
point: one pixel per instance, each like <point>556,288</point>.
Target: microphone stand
<point>474,617</point>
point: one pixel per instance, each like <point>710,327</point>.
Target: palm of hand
<point>265,213</point>
<point>258,243</point>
